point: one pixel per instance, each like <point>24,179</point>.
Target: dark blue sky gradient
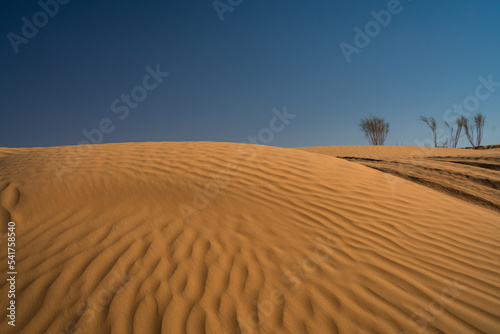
<point>227,76</point>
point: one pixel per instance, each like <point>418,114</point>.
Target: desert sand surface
<point>202,237</point>
<point>472,175</point>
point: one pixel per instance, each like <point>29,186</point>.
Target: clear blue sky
<point>226,77</point>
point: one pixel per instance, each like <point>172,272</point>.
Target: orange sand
<point>228,238</point>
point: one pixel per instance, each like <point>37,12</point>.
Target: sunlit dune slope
<point>471,175</point>
<point>229,238</point>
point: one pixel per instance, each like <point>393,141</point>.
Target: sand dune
<point>228,238</point>
<point>472,175</point>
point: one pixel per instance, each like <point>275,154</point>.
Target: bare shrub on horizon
<point>375,129</point>
<point>455,133</point>
<point>431,123</point>
<point>474,131</point>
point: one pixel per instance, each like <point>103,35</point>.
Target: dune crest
<point>204,237</point>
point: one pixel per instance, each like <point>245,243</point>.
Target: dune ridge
<point>204,237</point>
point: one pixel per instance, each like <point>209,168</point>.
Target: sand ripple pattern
<point>226,238</point>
